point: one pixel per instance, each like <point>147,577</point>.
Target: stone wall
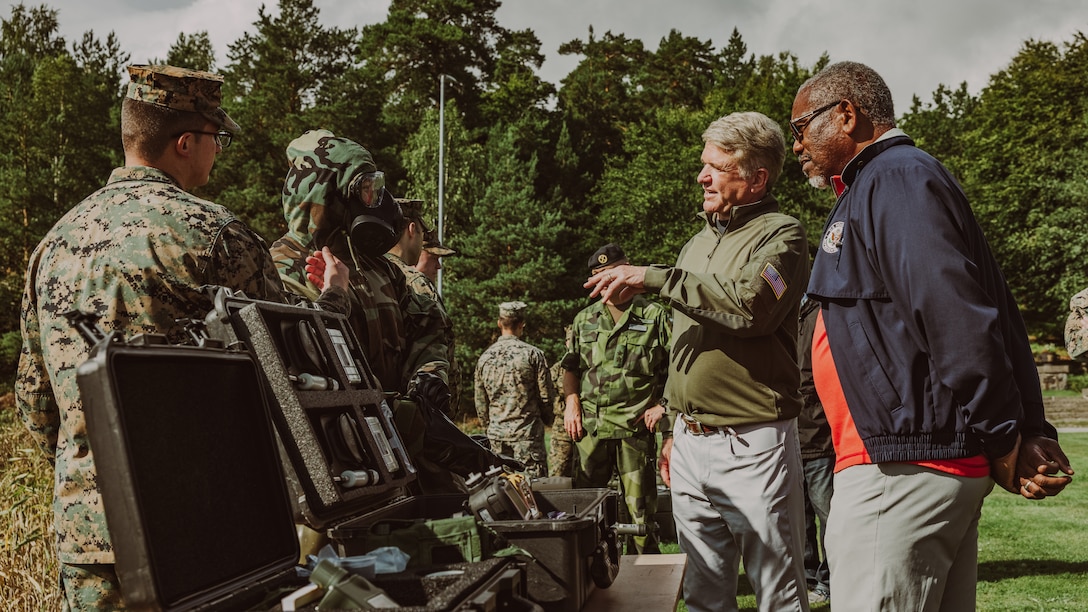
<point>1054,376</point>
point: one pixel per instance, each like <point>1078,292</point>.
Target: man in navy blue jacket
<point>920,357</point>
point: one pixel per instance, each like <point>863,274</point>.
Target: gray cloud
<point>915,45</point>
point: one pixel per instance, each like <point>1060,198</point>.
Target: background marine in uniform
<point>513,392</point>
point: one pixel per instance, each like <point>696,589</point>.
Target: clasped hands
<point>1035,468</point>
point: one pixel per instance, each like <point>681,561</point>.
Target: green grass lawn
<point>1032,555</point>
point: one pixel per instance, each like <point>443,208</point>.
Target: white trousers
<point>904,537</point>
<point>739,494</point>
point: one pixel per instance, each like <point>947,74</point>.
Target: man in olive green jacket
<point>734,463</point>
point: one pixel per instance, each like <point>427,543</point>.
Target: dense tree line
<point>537,176</point>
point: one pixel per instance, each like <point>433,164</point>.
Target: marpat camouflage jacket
<point>137,253</point>
<point>513,389</point>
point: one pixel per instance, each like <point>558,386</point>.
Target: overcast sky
<point>914,44</point>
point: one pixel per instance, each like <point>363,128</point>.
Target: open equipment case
<point>215,451</point>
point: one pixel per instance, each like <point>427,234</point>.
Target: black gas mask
<point>377,219</point>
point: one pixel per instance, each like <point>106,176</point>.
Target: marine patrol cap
<point>181,89</point>
<point>511,309</point>
<point>608,255</point>
<point>434,246</point>
<point>413,211</point>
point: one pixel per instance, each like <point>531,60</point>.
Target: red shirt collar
<point>838,185</point>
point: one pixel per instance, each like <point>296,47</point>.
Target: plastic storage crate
<point>566,554</point>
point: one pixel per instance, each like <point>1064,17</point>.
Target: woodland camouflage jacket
<point>401,332</point>
<point>621,366</point>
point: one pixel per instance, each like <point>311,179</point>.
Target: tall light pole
<point>442,78</point>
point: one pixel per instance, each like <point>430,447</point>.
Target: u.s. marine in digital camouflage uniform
<point>418,282</point>
<point>136,252</point>
<point>417,279</point>
<point>405,254</point>
<point>513,392</point>
<point>616,367</point>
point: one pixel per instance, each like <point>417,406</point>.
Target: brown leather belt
<point>698,429</point>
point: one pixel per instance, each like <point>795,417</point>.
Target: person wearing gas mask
<point>334,196</point>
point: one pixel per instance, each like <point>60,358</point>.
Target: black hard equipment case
<point>326,403</point>
<point>189,473</point>
<point>567,557</point>
<point>199,506</point>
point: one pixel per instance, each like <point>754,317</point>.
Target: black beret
<point>607,255</point>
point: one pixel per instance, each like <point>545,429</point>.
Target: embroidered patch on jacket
<point>774,279</point>
<point>833,237</point>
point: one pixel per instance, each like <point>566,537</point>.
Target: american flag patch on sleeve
<point>774,279</point>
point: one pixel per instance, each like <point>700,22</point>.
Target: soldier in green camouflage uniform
<point>513,393</point>
<point>401,332</point>
<point>332,185</point>
<point>615,371</point>
<point>136,253</point>
<point>405,254</point>
<point>561,452</point>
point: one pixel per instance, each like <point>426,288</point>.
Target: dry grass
<point>28,563</point>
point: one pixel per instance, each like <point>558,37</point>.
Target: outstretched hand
<point>618,284</point>
<point>325,270</point>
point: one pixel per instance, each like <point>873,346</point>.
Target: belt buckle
<point>696,428</point>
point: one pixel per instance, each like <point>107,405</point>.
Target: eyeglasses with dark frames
<point>798,125</point>
<point>222,139</point>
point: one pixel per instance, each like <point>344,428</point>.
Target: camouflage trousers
<point>530,452</point>
<point>90,587</point>
<point>634,460</point>
<point>561,453</point>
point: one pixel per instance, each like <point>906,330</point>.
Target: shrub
<point>1077,382</point>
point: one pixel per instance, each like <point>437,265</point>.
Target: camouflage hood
<point>314,203</point>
